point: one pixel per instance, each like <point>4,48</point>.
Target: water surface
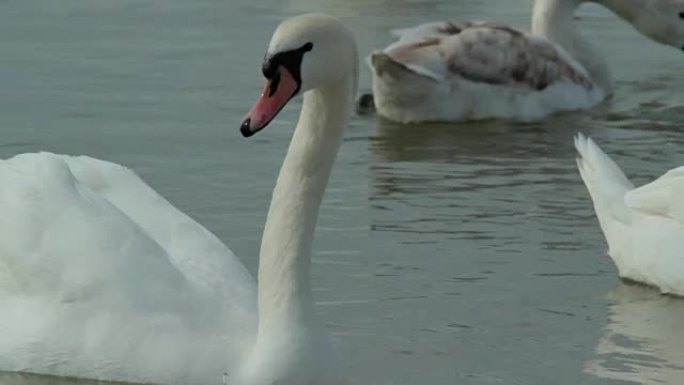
<point>445,254</point>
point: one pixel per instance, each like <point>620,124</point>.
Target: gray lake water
<point>445,254</point>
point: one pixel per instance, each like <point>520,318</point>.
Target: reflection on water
<point>495,216</point>
<point>471,180</point>
<point>643,341</point>
<point>33,379</point>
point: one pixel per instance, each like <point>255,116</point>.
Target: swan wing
<point>103,278</point>
<point>652,250</point>
<point>485,52</point>
<point>662,197</point>
<point>192,249</point>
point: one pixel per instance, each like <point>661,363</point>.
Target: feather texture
<point>644,226</point>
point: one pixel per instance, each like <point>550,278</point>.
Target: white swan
<point>453,71</point>
<point>644,226</point>
<point>100,277</point>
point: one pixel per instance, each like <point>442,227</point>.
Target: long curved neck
<point>627,9</point>
<point>284,261</point>
<point>554,19</point>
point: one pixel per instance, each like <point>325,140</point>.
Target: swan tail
<point>607,186</point>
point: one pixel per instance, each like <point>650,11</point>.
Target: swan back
<point>662,197</point>
<point>474,70</point>
<point>486,52</point>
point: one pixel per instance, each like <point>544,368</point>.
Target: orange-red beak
<point>277,92</point>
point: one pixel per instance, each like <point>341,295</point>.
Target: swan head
<point>306,52</point>
<point>662,21</point>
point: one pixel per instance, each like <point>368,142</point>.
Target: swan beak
<point>277,92</point>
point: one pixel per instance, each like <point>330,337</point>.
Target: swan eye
<point>681,15</point>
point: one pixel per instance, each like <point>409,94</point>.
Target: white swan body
<point>644,226</point>
<point>453,71</point>
<point>102,278</point>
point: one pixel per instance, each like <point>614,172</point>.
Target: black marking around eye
<point>291,60</point>
<point>681,15</point>
<point>275,82</point>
